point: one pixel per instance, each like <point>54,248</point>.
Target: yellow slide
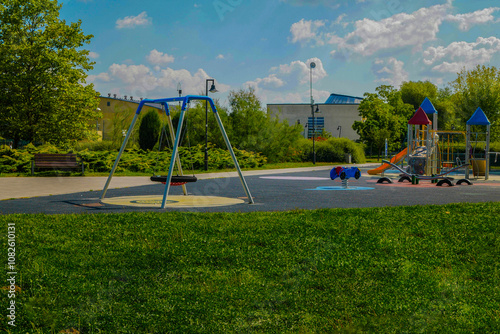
<point>395,159</point>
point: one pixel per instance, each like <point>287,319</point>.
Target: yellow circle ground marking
<point>172,201</point>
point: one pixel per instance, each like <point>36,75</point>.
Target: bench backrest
<point>44,157</point>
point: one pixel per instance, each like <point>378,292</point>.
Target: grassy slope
<point>386,270</point>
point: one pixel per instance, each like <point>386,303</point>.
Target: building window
<point>109,104</point>
<point>318,126</point>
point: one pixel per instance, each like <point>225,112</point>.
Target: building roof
<point>343,99</point>
<point>419,118</point>
<point>478,118</point>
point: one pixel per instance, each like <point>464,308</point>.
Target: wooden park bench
<point>57,162</point>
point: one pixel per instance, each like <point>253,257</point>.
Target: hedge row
<point>133,160</point>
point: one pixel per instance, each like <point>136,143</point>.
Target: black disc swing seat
<point>176,180</point>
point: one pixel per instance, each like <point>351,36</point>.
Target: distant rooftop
<point>343,99</point>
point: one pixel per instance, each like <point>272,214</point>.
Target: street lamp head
<point>179,89</point>
<point>317,111</point>
<point>312,64</point>
<point>213,89</point>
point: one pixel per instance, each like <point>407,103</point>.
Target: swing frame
<point>175,158</point>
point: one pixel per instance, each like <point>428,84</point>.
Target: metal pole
<point>206,125</point>
<point>226,139</point>
<point>173,158</point>
<point>314,134</point>
<point>177,159</point>
<point>124,144</point>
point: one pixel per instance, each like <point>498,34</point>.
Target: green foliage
<point>479,87</point>
<point>330,150</point>
<point>149,130</point>
<point>248,119</point>
<point>420,269</point>
<point>194,124</point>
<point>385,116</point>
<point>133,159</point>
<point>414,93</point>
<point>42,66</point>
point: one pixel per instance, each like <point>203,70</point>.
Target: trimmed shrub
<point>149,130</point>
<point>331,150</point>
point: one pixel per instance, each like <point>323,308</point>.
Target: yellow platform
<point>173,201</point>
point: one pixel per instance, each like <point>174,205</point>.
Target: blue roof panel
<point>478,118</point>
<point>428,107</point>
<point>343,99</point>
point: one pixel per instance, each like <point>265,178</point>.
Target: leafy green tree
<point>43,66</point>
<point>384,116</point>
<point>247,117</point>
<point>414,93</point>
<point>479,87</point>
<point>149,130</point>
<point>194,124</point>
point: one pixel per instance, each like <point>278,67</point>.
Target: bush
<point>149,130</point>
<point>330,150</point>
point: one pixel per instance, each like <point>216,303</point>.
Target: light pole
<point>311,66</point>
<point>211,90</point>
<point>340,130</point>
<point>317,111</point>
<point>179,90</point>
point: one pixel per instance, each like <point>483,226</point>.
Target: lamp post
<point>311,66</point>
<point>340,130</point>
<point>317,111</point>
<point>211,90</point>
<point>179,90</point>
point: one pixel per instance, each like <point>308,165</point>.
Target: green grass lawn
<point>421,269</point>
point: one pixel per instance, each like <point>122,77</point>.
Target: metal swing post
<point>172,137</point>
<point>174,155</point>
<point>122,148</point>
<point>229,147</point>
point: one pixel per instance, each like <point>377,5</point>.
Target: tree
<point>479,87</point>
<point>385,116</point>
<point>43,96</point>
<point>414,93</point>
<point>149,130</point>
<point>194,124</point>
<point>247,117</point>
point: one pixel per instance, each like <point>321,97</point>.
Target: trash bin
<point>478,167</point>
<point>348,158</point>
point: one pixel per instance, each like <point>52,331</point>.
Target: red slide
<point>395,159</point>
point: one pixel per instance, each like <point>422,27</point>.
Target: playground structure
<point>480,162</point>
<point>170,179</point>
<point>432,152</point>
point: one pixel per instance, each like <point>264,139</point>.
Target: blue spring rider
<point>344,173</point>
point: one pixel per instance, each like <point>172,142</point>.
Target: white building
<point>335,116</point>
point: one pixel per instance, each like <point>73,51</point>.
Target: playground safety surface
<point>303,189</point>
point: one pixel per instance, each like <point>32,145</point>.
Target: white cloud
<point>141,80</point>
<point>133,21</point>
<point>221,56</point>
<point>389,71</point>
<point>306,31</point>
<point>466,21</point>
<point>302,70</point>
<point>100,77</point>
<point>457,55</point>
<point>399,30</point>
<point>93,55</point>
<point>156,57</point>
<point>271,81</point>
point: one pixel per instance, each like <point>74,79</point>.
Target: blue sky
<point>145,48</point>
